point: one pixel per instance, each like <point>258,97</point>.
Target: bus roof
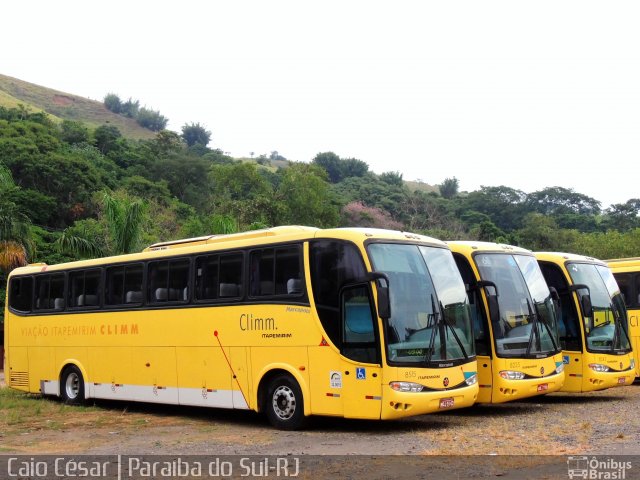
<point>562,257</point>
<point>468,247</point>
<point>236,240</point>
<point>266,232</point>
<point>631,263</point>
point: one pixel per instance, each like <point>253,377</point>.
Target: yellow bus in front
<point>290,321</point>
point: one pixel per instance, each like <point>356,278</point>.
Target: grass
<point>66,106</point>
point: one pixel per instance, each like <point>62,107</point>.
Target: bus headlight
<point>406,387</point>
<point>598,367</point>
<point>560,368</point>
<point>511,375</point>
<point>472,380</point>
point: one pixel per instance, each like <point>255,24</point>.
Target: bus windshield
<point>606,329</point>
<point>527,322</point>
<point>430,319</point>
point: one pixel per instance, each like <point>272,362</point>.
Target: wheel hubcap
<point>284,402</point>
<point>72,386</point>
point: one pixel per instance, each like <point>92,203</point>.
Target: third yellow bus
<point>593,322</point>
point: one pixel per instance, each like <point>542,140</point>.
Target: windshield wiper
<point>441,321</point>
<point>453,331</point>
<point>534,330</point>
<point>615,329</point>
<point>544,322</point>
<point>432,340</point>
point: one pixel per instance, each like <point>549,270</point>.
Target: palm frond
<point>78,245</point>
<point>12,255</point>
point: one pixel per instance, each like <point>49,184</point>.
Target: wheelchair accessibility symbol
<point>361,373</point>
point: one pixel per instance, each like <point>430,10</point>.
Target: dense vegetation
<point>145,117</point>
<point>70,191</point>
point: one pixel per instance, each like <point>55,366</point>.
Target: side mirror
<point>487,283</point>
<point>579,286</point>
<point>494,308</point>
<point>585,303</point>
<point>382,285</point>
<point>585,298</point>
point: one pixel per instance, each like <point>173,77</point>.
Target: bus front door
<point>362,373</point>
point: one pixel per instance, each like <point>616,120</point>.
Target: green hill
<point>65,106</point>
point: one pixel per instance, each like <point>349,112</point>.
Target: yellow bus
<point>290,321</point>
<point>593,322</point>
<point>627,274</point>
<point>514,320</point>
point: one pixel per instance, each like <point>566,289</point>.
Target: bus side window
<point>169,280</point>
<point>626,288</point>
<point>273,271</point>
<point>20,291</point>
<point>636,284</point>
<point>568,322</point>
<point>49,292</point>
<point>478,317</point>
<point>333,264</point>
<point>124,285</point>
<point>84,288</point>
<point>358,325</point>
<point>218,276</point>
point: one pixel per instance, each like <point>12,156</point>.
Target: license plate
<point>622,380</point>
<point>543,387</point>
<point>446,402</point>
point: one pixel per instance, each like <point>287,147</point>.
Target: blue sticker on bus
<point>361,373</point>
<point>565,359</point>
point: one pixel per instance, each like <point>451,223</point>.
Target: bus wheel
<point>72,386</point>
<point>284,404</point>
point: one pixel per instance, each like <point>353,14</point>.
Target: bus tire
<point>72,386</point>
<point>284,404</point>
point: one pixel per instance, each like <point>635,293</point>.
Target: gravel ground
<point>598,423</point>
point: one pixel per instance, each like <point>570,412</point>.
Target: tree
<point>356,214</point>
<point>166,142</point>
<point>195,133</point>
<point>559,200</point>
<point>130,108</point>
<point>352,167</point>
<point>449,187</point>
<point>504,206</point>
<point>276,156</point>
<point>151,119</point>
<point>392,178</point>
<point>15,234</point>
<point>623,216</point>
<point>113,103</point>
<point>330,162</point>
<point>124,217</point>
<point>121,217</point>
<point>74,132</point>
<point>106,137</point>
<point>240,191</point>
<point>306,196</point>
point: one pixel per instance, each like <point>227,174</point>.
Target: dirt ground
<point>603,422</point>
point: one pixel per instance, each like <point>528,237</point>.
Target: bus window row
<point>271,272</point>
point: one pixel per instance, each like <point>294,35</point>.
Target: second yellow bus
<point>514,320</point>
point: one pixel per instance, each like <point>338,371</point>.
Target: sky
<point>524,94</point>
